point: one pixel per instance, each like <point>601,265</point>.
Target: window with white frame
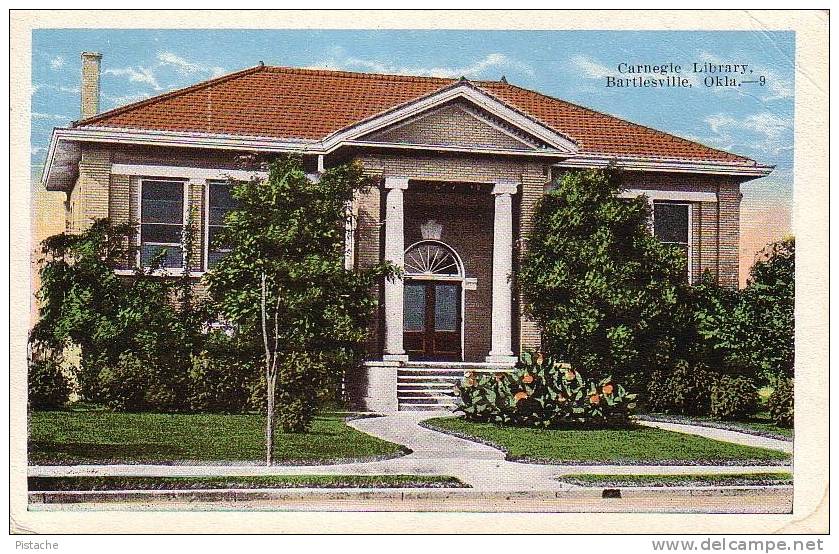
<point>220,202</point>
<point>671,224</point>
<point>162,221</point>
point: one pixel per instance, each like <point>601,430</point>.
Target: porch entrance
<point>433,303</point>
<point>432,320</point>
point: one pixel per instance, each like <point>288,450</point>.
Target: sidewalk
<point>480,466</point>
<point>725,435</point>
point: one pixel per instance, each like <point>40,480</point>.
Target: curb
<point>397,495</point>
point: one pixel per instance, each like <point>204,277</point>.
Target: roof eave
<point>748,169</point>
<point>61,164</point>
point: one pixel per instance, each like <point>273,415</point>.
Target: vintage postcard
<point>371,264</point>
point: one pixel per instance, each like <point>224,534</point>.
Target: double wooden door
<point>432,320</point>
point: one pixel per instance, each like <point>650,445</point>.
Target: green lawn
<point>698,480</point>
<point>98,437</point>
<point>637,445</point>
<point>241,482</point>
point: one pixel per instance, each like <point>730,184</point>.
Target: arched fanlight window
<point>429,258</point>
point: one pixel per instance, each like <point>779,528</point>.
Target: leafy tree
<point>767,306</point>
<point>86,304</point>
<point>751,332</point>
<point>284,284</point>
<point>717,340</point>
<point>48,385</point>
<point>606,293</point>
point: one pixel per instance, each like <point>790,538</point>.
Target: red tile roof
<point>293,103</point>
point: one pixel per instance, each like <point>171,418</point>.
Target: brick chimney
<point>90,83</point>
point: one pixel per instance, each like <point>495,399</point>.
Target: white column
<point>502,268</point>
<point>395,254</point>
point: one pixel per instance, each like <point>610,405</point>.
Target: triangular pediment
<point>458,116</point>
<point>457,124</point>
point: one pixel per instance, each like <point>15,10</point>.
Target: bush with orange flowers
<point>543,393</point>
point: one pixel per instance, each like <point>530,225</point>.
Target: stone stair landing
<point>430,385</point>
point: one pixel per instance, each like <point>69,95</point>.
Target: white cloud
<point>36,87</point>
<point>186,67</point>
<point>139,75</point>
<point>764,131</point>
<point>478,68</point>
<point>116,101</point>
<point>50,116</point>
<point>591,68</point>
<point>57,63</point>
<point>719,122</point>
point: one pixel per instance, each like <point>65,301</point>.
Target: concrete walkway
<point>725,435</point>
<point>482,467</point>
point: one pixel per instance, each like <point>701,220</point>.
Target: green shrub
<point>87,375</point>
<point>294,414</point>
<point>543,393</point>
<point>767,312</point>
<point>782,403</point>
<point>49,387</point>
<point>301,379</point>
<point>734,397</point>
<point>135,384</point>
<point>85,304</point>
<point>122,387</point>
<point>607,295</point>
<point>222,377</point>
<point>751,331</point>
<point>684,389</point>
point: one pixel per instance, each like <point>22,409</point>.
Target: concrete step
<point>427,400</point>
<point>422,395</point>
<point>421,384</point>
<point>457,366</point>
<point>424,407</point>
<point>427,386</point>
<point>434,376</point>
<point>425,374</point>
<point>414,382</point>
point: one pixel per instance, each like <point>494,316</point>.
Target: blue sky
<point>750,120</point>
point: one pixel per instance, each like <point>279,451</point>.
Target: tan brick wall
<point>197,210</point>
<point>187,157</point>
<point>90,197</point>
<point>119,199</point>
<point>368,252</point>
<point>709,260</point>
<point>533,187</point>
<point>451,126</point>
<point>729,234</point>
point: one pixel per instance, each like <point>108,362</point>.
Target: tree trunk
<point>269,388</point>
<point>269,424</point>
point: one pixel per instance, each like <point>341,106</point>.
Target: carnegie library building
<point>458,167</point>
